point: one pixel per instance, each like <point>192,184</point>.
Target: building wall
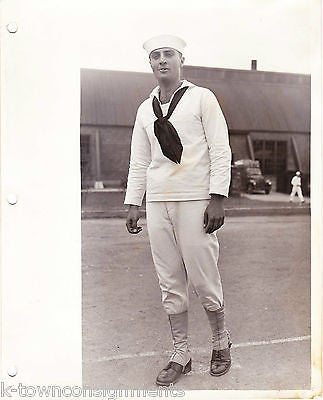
<point>303,145</point>
<point>115,148</point>
<point>88,154</point>
<point>239,147</point>
<point>281,178</point>
<point>114,144</point>
<point>113,161</point>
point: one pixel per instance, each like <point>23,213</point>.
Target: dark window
<point>281,148</point>
<point>272,155</point>
<point>257,145</point>
<point>269,167</point>
<point>270,146</point>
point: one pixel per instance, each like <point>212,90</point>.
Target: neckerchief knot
<point>166,134</point>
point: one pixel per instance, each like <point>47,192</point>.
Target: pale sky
<point>219,33</point>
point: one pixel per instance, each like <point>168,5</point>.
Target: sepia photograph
<point>196,196</point>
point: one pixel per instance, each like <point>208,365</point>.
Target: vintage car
<point>252,180</point>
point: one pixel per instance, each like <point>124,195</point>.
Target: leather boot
<point>180,361</point>
<point>220,361</point>
<point>221,358</point>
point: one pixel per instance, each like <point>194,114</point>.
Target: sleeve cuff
<point>133,200</point>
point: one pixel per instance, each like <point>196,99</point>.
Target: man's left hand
<point>214,214</point>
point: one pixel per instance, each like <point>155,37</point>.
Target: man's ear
<point>182,60</point>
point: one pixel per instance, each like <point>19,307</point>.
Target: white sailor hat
<point>157,42</point>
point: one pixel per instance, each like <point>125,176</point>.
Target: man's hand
<point>132,219</point>
<point>214,214</point>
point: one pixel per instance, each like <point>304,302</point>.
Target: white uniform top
<point>296,181</point>
<point>206,159</point>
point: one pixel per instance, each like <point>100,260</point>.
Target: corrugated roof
<point>112,97</point>
<point>251,100</point>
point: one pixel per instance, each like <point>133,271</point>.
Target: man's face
<point>166,63</point>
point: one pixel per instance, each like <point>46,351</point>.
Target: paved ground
<point>275,197</point>
<point>265,267</point>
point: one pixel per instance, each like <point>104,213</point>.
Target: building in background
<point>268,115</point>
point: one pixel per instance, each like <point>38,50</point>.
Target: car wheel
<point>250,189</point>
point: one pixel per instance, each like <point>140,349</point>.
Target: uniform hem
<point>172,197</point>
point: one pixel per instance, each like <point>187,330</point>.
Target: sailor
<point>296,187</point>
<point>181,158</point>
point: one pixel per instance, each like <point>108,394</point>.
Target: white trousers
<point>298,190</point>
<point>182,251</point>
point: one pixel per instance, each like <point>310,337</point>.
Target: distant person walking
<point>297,187</point>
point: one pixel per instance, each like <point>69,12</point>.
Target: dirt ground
<point>265,269</point>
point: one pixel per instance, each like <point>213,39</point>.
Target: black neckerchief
<point>165,132</point>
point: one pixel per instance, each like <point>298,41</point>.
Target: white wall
<point>40,235</point>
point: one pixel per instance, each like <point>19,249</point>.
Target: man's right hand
<point>132,219</point>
